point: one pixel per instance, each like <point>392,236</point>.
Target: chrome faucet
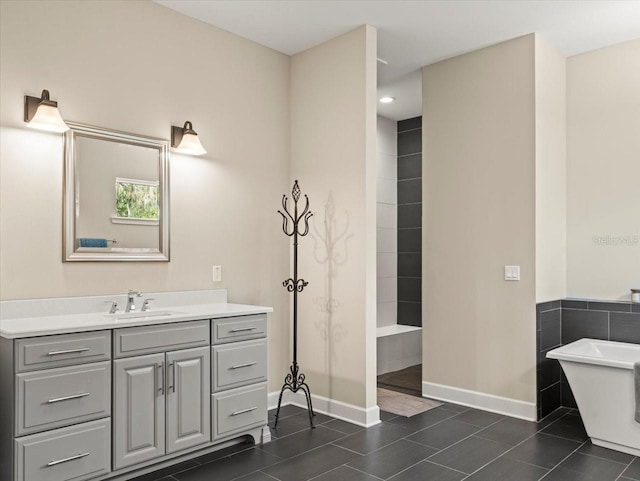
<point>131,295</point>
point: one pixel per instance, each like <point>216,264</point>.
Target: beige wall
<point>140,67</point>
<point>603,172</point>
<point>333,135</point>
<point>551,173</point>
<point>478,216</point>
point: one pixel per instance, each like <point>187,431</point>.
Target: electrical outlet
<point>217,273</point>
<point>511,273</point>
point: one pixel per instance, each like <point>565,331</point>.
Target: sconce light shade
<point>42,113</point>
<point>185,140</point>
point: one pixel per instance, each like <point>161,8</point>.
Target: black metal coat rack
<point>294,381</point>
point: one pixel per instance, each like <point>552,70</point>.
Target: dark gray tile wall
<point>564,321</point>
<point>410,222</point>
<point>548,336</point>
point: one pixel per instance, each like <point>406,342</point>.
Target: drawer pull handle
<point>242,411</point>
<point>238,366</point>
<point>67,398</point>
<point>68,351</point>
<point>243,329</point>
<point>70,458</point>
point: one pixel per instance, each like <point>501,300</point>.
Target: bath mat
<point>404,404</point>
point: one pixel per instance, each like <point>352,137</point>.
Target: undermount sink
<point>143,315</point>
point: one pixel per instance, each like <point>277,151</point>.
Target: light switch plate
<point>511,273</point>
<point>217,273</point>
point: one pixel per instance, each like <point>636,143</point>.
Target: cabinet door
<point>139,409</point>
<point>188,398</point>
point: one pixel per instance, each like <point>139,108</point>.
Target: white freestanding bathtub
<point>600,374</point>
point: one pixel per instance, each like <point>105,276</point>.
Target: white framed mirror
<point>116,196</point>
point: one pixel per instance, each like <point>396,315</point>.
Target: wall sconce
<point>185,140</point>
<point>42,113</point>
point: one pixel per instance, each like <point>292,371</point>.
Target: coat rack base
<point>294,382</point>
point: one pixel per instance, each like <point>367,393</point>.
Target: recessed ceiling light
<point>387,100</point>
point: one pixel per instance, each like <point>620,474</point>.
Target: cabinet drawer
<point>134,341</point>
<point>75,453</point>
<point>65,395</point>
<point>62,350</point>
<point>239,409</point>
<point>239,363</point>
<point>241,328</point>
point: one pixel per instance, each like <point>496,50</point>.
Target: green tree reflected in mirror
<point>137,199</point>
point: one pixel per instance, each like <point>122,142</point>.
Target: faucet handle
<point>145,304</point>
<point>114,306</point>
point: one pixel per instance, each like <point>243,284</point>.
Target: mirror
<point>116,196</point>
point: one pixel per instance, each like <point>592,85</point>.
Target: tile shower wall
<point>410,222</point>
<point>565,321</point>
<point>387,222</point>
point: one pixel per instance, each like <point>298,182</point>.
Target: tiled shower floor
<point>407,381</point>
<point>448,443</point>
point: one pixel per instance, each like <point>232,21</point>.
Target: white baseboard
<point>479,400</point>
<point>337,409</point>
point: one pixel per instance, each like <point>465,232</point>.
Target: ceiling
<point>412,34</point>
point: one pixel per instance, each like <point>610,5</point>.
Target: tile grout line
<point>408,130</point>
<point>284,460</point>
<point>627,467</point>
<point>515,446</point>
<point>341,432</point>
<point>466,437</point>
<point>524,441</point>
<point>497,457</point>
<point>403,156</point>
<point>267,474</point>
<point>563,460</point>
<point>423,445</point>
<point>360,471</point>
<point>452,469</point>
<point>560,437</point>
<point>510,449</point>
<point>346,449</point>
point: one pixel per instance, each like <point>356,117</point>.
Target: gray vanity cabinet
<point>138,410</point>
<point>115,403</point>
<point>188,414</point>
<point>161,404</point>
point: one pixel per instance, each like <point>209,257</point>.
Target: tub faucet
<point>131,295</point>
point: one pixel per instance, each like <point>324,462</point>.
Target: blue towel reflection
<point>92,242</point>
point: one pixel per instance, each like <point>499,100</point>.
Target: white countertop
<point>62,324</point>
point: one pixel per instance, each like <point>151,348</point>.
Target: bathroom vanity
<point>113,396</point>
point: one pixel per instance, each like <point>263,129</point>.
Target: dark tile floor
<point>448,443</point>
<point>407,381</point>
